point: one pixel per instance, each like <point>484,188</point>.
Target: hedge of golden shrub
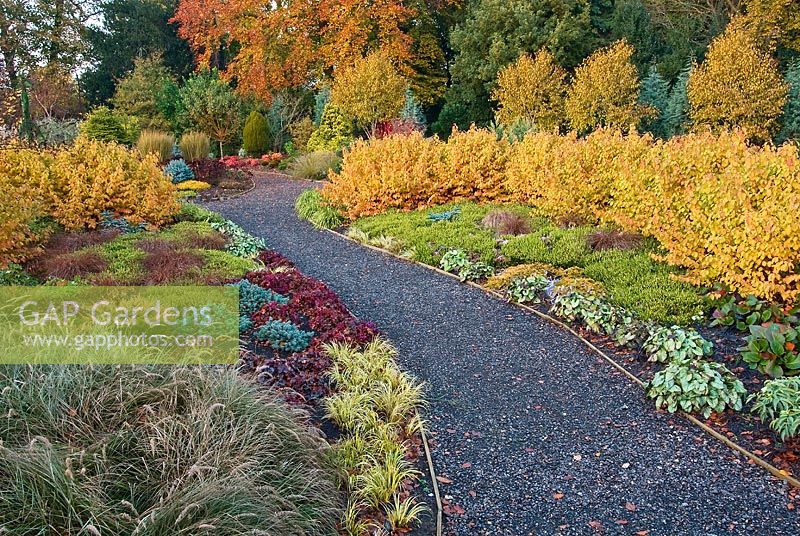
<point>724,210</point>
<point>23,173</point>
<point>409,171</point>
<point>74,186</point>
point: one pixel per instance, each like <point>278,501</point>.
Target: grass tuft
<point>157,451</point>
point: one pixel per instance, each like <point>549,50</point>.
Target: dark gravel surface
<point>537,434</point>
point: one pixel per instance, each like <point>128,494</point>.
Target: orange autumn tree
<point>285,43</point>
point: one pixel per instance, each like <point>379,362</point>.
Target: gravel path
<point>536,433</point>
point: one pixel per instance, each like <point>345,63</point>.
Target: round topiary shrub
<point>256,134</point>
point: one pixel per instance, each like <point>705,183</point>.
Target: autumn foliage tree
<point>532,90</point>
<point>738,85</point>
<point>605,91</point>
<point>370,91</point>
<point>280,45</point>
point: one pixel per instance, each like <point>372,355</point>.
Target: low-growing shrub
<point>208,170</point>
<point>778,404</point>
<point>253,297</point>
<point>192,185</point>
<point>696,386</point>
<point>283,336</point>
<point>457,262</point>
<point>665,344</point>
<point>103,124</point>
<point>164,450</point>
<point>178,171</point>
<point>156,142</point>
<point>528,289</point>
<point>195,146</point>
<point>242,244</point>
<point>314,166</point>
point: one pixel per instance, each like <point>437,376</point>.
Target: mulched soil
<point>233,185</point>
<point>534,433</point>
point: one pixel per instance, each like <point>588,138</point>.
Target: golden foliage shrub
<point>23,173</point>
<point>472,167</point>
<point>91,177</point>
<point>566,175</point>
<point>722,209</point>
<point>397,172</point>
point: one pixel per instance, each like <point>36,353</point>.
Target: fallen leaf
<point>621,521</point>
<point>596,525</point>
<point>642,533</point>
<point>466,465</point>
<point>472,493</point>
<point>577,457</point>
<point>630,507</point>
<point>558,496</point>
<point>443,479</point>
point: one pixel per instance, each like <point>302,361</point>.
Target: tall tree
<point>16,38</point>
<point>212,107</point>
<point>605,91</point>
<point>138,93</point>
<point>131,29</point>
<point>278,45</point>
<point>738,85</point>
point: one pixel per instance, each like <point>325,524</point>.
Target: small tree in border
<point>211,106</point>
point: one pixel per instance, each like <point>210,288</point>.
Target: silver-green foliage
<point>599,316</point>
<point>456,261</point>
<point>528,289</point>
<point>778,403</point>
<point>242,244</point>
<point>696,386</point>
<point>667,343</point>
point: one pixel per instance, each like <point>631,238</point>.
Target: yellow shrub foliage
<point>472,167</point>
<point>738,84</point>
<point>724,210</point>
<point>605,91</point>
<point>533,90</point>
<point>74,186</point>
<point>394,172</point>
<point>23,173</point>
<point>90,177</point>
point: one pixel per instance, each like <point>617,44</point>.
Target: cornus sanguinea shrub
<point>722,209</point>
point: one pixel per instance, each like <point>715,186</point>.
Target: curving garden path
<point>537,435</point>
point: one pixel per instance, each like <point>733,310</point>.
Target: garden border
<point>233,196</point>
<point>764,464</point>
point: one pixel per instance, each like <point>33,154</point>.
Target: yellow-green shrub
<point>23,173</point>
<point>724,210</point>
<point>472,168</point>
<point>394,172</point>
<point>91,177</point>
<point>567,175</point>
